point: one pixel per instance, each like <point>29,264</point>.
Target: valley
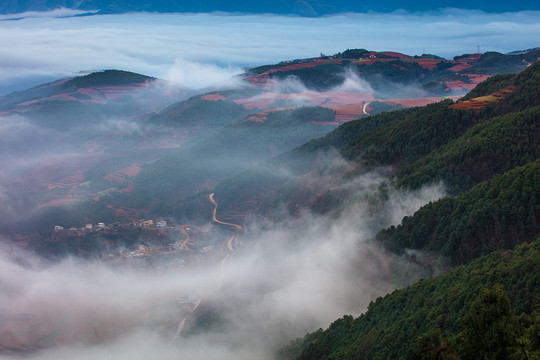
<point>402,190</point>
<point>159,247</point>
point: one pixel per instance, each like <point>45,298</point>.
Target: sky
<point>39,46</point>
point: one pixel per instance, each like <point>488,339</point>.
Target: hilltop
<point>428,72</point>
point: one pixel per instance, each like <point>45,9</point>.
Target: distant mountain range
<point>298,7</point>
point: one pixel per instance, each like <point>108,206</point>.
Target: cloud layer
<point>154,44</point>
<point>286,279</point>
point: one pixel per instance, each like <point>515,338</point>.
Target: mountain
<point>232,149</point>
<point>81,130</point>
<point>156,136</point>
<point>299,7</point>
<point>427,72</point>
<point>416,143</point>
<point>430,318</point>
<point>282,190</point>
<point>88,95</point>
<point>495,207</point>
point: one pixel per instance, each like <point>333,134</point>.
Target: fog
<point>252,290</point>
<point>258,289</point>
<point>353,83</point>
<point>153,43</point>
<point>197,76</point>
<point>281,281</point>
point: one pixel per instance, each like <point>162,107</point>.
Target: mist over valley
<point>321,207</point>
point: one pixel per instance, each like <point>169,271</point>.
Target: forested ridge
<point>435,315</point>
<point>497,214</point>
<point>492,147</point>
<point>488,307</point>
<point>435,143</point>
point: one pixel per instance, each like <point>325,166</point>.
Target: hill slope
<point>495,208</point>
<point>425,318</point>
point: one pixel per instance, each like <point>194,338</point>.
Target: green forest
<point>489,306</point>
<point>488,309</point>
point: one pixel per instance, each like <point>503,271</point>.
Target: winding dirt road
<point>188,237</point>
<point>211,197</point>
<point>364,109</point>
<point>231,243</point>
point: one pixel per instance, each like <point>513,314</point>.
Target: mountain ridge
<point>308,8</point>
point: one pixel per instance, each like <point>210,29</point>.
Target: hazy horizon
<point>41,47</point>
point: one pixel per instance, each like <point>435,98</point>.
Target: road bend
<point>188,237</point>
<point>364,109</point>
<point>236,226</point>
<point>232,244</point>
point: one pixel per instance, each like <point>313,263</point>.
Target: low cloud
<point>193,75</point>
<point>284,280</point>
<point>353,83</point>
<point>57,13</point>
<point>289,84</point>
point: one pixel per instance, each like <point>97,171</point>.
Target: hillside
<point>232,149</point>
<point>431,318</point>
<point>95,87</point>
<point>418,74</point>
<point>493,169</point>
<point>497,214</point>
<point>417,144</point>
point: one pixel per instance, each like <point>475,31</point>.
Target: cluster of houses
<point>149,224</point>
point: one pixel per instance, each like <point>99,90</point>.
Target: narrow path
<point>232,242</point>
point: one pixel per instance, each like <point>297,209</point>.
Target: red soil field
<point>328,99</point>
<point>429,64</point>
<point>349,112</point>
<point>481,102</point>
<point>470,104</point>
<point>60,202</point>
<point>213,97</point>
<point>392,54</point>
<point>261,116</point>
<point>92,95</point>
<point>122,174</point>
<point>474,79</point>
<point>418,102</point>
<point>460,67</point>
<point>127,190</point>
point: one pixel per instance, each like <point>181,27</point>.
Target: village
<point>142,238</point>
